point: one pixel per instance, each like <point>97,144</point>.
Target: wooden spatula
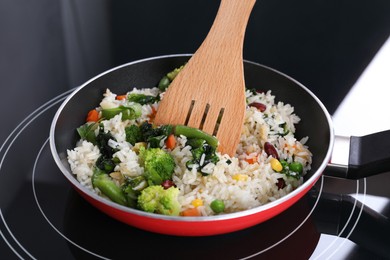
<point>209,93</point>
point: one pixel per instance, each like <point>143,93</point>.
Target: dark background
<point>49,46</point>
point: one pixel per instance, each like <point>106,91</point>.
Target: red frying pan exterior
<point>315,123</point>
<point>192,226</point>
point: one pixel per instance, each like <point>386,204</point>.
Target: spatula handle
<point>228,29</point>
<point>209,92</point>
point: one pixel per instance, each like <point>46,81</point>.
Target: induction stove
<point>43,217</point>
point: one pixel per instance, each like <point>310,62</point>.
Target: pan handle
<point>357,157</point>
<point>336,214</point>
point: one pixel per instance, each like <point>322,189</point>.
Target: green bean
<point>195,143</point>
<point>164,83</point>
<point>107,186</point>
<point>191,132</point>
<point>131,112</point>
<point>172,74</point>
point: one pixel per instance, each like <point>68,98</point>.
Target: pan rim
<point>305,185</point>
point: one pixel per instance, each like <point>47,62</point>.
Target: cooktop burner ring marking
<point>331,244</point>
<point>345,226</point>
<point>43,213</point>
<point>13,237</point>
<point>15,134</point>
<point>350,217</point>
<point>293,231</point>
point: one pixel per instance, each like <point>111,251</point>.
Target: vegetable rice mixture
<point>177,170</point>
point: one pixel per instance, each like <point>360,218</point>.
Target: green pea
<point>217,206</point>
<point>284,165</point>
<point>296,167</point>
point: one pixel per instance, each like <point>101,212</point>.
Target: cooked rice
<point>239,184</point>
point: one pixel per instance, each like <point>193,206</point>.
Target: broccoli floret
<point>156,199</point>
<point>158,164</point>
<point>148,199</point>
<point>133,134</point>
<point>169,203</point>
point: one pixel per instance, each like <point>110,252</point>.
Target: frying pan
<point>315,123</point>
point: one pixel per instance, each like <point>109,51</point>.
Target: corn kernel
<point>276,165</point>
<point>240,177</point>
<point>197,202</point>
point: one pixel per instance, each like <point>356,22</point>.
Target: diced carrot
<point>191,212</point>
<point>152,115</point>
<point>251,160</point>
<point>290,146</point>
<point>121,97</point>
<point>170,143</point>
<point>93,116</point>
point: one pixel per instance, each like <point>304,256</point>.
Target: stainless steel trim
<point>338,165</point>
<point>340,154</point>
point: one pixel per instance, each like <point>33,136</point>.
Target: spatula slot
<point>206,110</point>
<point>189,112</point>
<point>219,119</point>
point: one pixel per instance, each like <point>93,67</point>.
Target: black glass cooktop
<point>42,217</point>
